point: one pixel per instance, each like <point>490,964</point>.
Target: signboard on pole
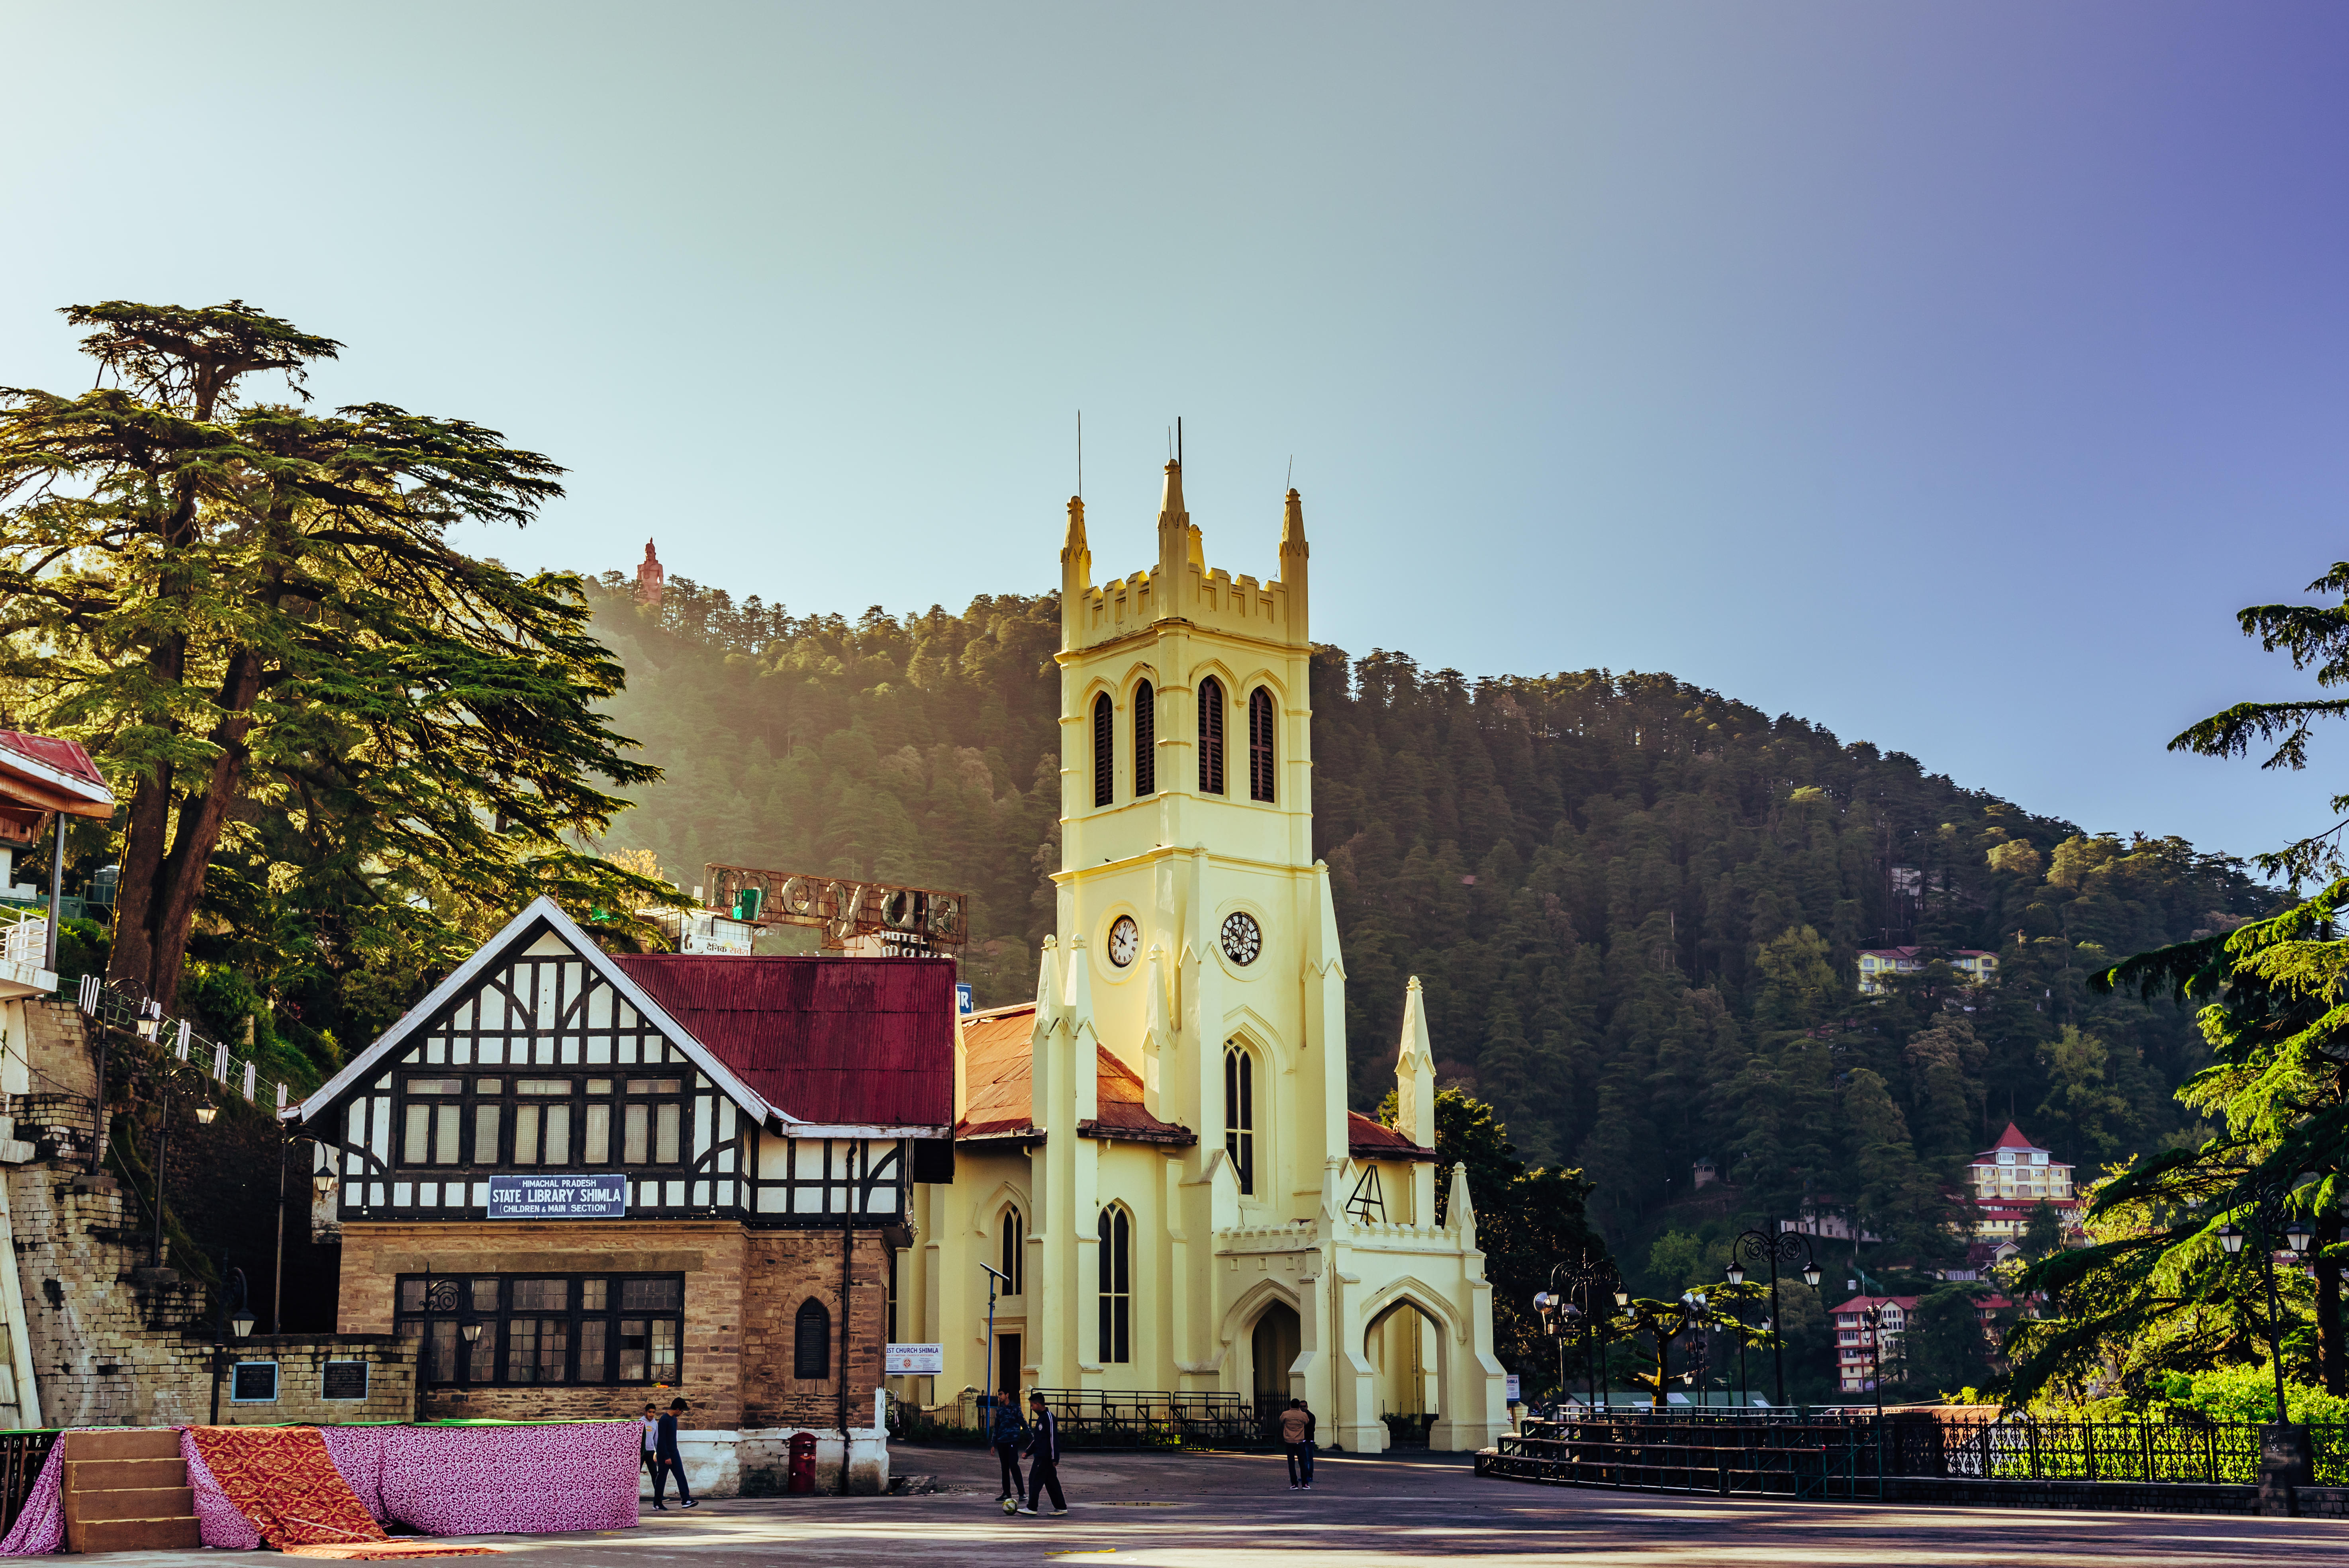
<point>1514,1399</point>
<point>913,1361</point>
<point>552,1197</point>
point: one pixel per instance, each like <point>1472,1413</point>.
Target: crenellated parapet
<point>1182,586</point>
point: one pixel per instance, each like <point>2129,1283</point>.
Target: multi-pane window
<point>1145,740</point>
<point>1211,737</point>
<point>1015,1252</point>
<point>1104,752</point>
<point>540,1329</point>
<point>544,1120</point>
<point>1259,745</point>
<point>1239,1115</point>
<point>1116,1285</point>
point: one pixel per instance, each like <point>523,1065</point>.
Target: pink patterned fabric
<point>41,1524</point>
<point>500,1481</point>
<point>357,1453</point>
<point>219,1521</point>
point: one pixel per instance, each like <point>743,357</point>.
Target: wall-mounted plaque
<point>252,1383</point>
<point>552,1197</point>
<point>344,1380</point>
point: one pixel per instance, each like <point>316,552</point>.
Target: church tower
<point>1154,1161</point>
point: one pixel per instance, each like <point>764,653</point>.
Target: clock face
<point>1124,941</point>
<point>1242,938</point>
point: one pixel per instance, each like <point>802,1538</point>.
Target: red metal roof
<point>998,1098</point>
<point>1367,1140</point>
<point>859,1041</point>
<point>60,777</point>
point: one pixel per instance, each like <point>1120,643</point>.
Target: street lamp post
<point>2267,1207</point>
<point>1582,1278</point>
<point>1774,1246</point>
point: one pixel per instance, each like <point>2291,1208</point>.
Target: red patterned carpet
<point>285,1481</point>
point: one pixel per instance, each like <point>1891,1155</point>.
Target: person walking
<point>1294,1424</point>
<point>666,1461</point>
<point>650,1422</point>
<point>1003,1430</point>
<point>1312,1443</point>
<point>1043,1455</point>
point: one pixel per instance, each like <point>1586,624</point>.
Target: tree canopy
<point>345,745</point>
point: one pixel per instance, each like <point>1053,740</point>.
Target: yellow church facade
<point>1155,1156</point>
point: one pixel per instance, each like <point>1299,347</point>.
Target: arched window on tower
<point>1259,745</point>
<point>1015,1252</point>
<point>1145,740</point>
<point>1104,752</point>
<point>812,1341</point>
<point>1211,737</point>
<point>1116,1285</point>
<point>1239,1115</point>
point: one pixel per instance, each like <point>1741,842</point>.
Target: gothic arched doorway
<point>1273,1347</point>
<point>1404,1345</point>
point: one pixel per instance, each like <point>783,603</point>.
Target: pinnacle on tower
<point>1073,545</point>
<point>1292,525</point>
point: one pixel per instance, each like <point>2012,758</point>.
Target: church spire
<point>1415,1072</point>
<point>1076,564</point>
<point>1293,553</point>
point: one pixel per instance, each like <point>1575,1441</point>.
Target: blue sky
<point>1945,374</point>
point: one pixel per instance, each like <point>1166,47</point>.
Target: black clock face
<point>1124,941</point>
<point>1242,938</point>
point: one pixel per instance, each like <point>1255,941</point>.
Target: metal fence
<point>1779,1455</point>
<point>1116,1419</point>
<point>1817,1454</point>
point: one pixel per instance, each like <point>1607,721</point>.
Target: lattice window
<point>540,1329</point>
<point>1116,1285</point>
<point>1239,1114</point>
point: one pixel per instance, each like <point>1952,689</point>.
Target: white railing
<point>24,937</point>
<point>108,1005</point>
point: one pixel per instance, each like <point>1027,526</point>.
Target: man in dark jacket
<point>1043,1456</point>
<point>1003,1432</point>
<point>666,1460</point>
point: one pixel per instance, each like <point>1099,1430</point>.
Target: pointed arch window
<point>1014,1263</point>
<point>812,1341</point>
<point>1239,1115</point>
<point>1104,752</point>
<point>1145,740</point>
<point>1259,745</point>
<point>1211,737</point>
<point>1116,1285</point>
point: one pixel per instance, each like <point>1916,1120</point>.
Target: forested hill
<point>1636,905</point>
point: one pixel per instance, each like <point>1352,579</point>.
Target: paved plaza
<point>1235,1511</point>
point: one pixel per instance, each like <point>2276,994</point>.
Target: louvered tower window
<point>1259,745</point>
<point>1104,754</point>
<point>1211,737</point>
<point>1145,740</point>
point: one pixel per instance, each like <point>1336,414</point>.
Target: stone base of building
<point>757,1463</point>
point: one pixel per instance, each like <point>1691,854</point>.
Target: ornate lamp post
<point>2267,1207</point>
<point>1774,1246</point>
<point>1561,1315</point>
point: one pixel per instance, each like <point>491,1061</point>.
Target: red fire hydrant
<point>802,1462</point>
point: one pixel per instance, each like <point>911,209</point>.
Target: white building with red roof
<point>2009,1178</point>
<point>1878,963</point>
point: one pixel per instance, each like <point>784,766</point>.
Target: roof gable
<point>543,931</point>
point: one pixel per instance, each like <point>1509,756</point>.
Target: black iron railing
<point>1821,1454</point>
<point>1118,1418</point>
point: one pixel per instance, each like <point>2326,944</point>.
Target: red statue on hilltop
<point>650,577</point>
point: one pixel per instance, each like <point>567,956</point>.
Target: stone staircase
<point>126,1491</point>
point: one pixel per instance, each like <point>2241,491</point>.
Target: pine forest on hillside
<point>1636,905</point>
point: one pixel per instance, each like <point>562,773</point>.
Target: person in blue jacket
<point>1003,1430</point>
<point>1043,1455</point>
<point>666,1462</point>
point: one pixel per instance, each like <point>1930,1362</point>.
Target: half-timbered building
<point>582,1177</point>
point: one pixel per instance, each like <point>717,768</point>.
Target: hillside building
<point>2009,1178</point>
<point>1877,964</point>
